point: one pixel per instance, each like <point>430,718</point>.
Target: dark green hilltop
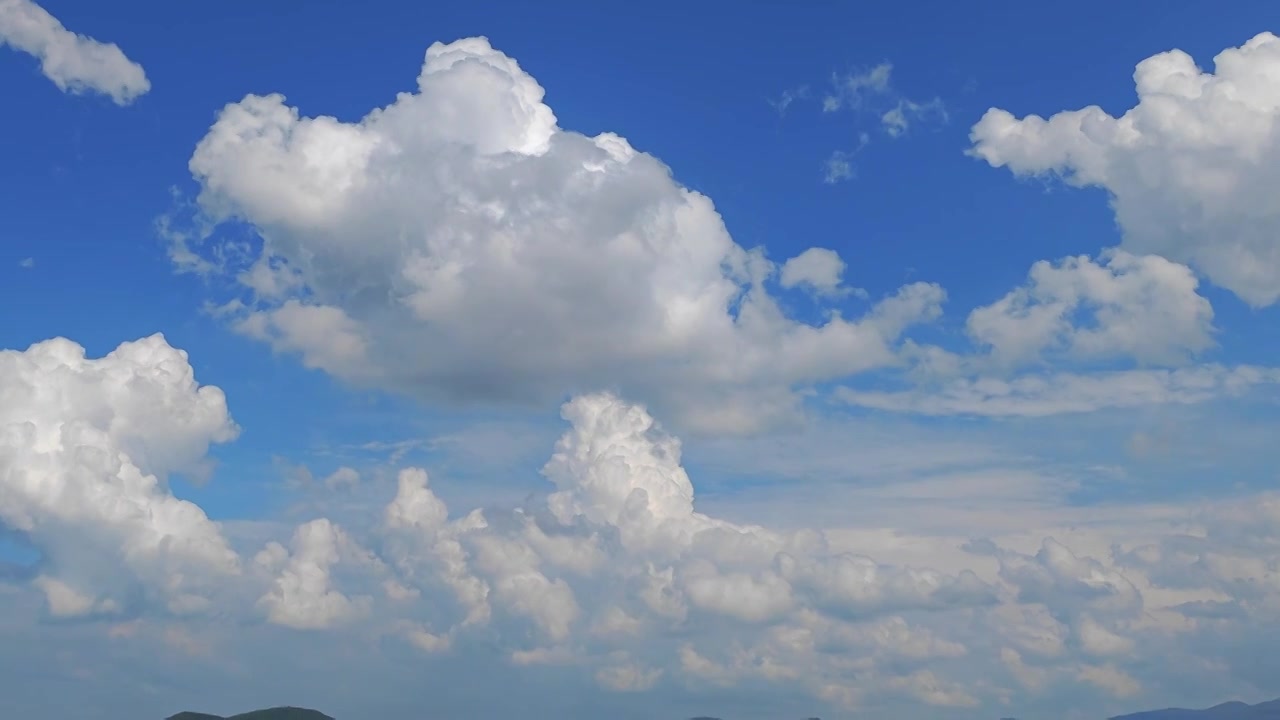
<point>278,713</point>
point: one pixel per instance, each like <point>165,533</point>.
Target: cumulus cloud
<point>459,244</point>
<point>1087,314</point>
<point>615,573</point>
<point>817,269</point>
<point>1189,168</point>
<point>301,595</point>
<point>74,63</point>
<point>1144,308</point>
<point>86,446</point>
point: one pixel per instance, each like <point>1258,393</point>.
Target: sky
<point>752,360</point>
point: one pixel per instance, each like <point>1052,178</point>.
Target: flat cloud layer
<point>1191,168</point>
<point>615,575</point>
<point>73,62</point>
<point>458,244</point>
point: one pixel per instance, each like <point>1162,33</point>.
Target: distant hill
<point>279,713</point>
<point>1225,711</point>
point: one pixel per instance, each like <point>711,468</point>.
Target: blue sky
<point>976,409</point>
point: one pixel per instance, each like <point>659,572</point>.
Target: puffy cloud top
<point>85,447</point>
<point>1190,168</point>
<point>457,243</point>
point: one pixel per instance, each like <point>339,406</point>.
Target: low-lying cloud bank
<point>614,574</point>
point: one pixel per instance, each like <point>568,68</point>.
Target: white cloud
<point>342,478</point>
<point>614,576</point>
<point>422,243</point>
<point>74,63</point>
<point>626,676</point>
<point>86,446</point>
<point>618,556</point>
<point>1063,392</point>
<point>1189,167</point>
<point>788,97</point>
<point>408,249</point>
<point>27,263</point>
<point>897,120</point>
<point>1145,308</point>
<point>819,269</point>
<point>849,90</point>
<point>1081,313</point>
<point>838,167</point>
<point>301,595</point>
<point>871,92</point>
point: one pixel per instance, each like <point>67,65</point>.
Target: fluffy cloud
<point>818,269</point>
<point>1190,167</point>
<point>1084,313</point>
<point>301,595</point>
<point>458,244</point>
<point>73,62</point>
<point>86,446</point>
<point>1144,308</point>
<point>614,574</point>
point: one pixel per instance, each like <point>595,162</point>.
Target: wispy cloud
<point>784,101</point>
<point>869,96</point>
<point>851,90</point>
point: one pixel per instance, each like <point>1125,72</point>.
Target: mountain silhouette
<point>1225,711</point>
<point>276,713</point>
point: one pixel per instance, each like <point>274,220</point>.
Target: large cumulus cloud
<point>86,446</point>
<point>458,244</point>
<point>1191,168</point>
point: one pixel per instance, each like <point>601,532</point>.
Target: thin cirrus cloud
<point>74,62</point>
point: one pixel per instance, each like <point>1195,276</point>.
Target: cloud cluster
<point>613,574</point>
<point>458,244</point>
<point>86,446</point>
<point>1189,168</point>
<point>1130,327</point>
<point>1143,308</point>
<point>74,63</point>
